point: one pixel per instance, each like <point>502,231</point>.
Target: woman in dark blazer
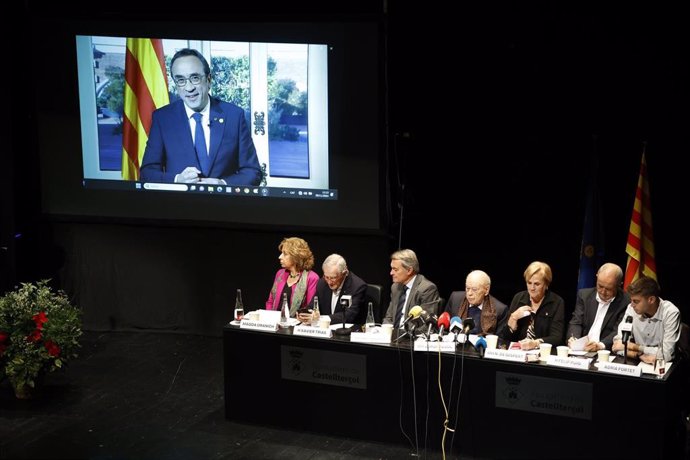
<point>535,315</point>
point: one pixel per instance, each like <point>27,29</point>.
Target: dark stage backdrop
<point>185,279</point>
<point>502,145</point>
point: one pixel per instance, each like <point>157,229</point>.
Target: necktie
<point>200,144</point>
<point>401,304</point>
<point>530,328</point>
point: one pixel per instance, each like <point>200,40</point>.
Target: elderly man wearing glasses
<point>476,303</point>
<point>339,283</point>
<point>199,139</point>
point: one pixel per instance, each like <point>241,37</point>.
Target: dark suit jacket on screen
<point>170,148</point>
<point>585,312</point>
<point>354,286</point>
<point>423,293</point>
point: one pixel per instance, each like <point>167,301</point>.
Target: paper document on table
<point>579,344</point>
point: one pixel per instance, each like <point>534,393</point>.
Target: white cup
<point>324,322</point>
<point>387,329</point>
<point>562,351</point>
<point>603,356</point>
<point>491,341</point>
<point>544,351</point>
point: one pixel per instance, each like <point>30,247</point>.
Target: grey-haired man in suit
<point>409,288</point>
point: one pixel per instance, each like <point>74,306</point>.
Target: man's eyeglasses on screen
<point>193,79</point>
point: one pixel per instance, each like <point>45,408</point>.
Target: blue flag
<point>592,248</point>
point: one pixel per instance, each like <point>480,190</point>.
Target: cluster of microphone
<point>419,320</point>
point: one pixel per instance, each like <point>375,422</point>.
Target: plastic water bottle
<point>315,314</point>
<point>370,322</point>
<point>239,306</point>
<point>284,313</point>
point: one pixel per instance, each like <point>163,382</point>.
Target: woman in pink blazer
<point>295,277</point>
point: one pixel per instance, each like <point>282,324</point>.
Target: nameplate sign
<point>324,367</point>
<point>310,331</point>
<point>258,325</point>
<point>564,398</point>
<point>369,337</point>
<point>518,356</point>
<point>620,369</point>
<point>572,363</point>
<point>435,346</point>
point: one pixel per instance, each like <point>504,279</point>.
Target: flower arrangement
<point>39,333</point>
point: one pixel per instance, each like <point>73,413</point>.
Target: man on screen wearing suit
<point>409,288</point>
<point>198,139</point>
<point>598,310</point>
<point>337,282</point>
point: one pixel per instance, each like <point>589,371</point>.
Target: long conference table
<point>497,409</point>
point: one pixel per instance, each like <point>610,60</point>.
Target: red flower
<point>53,349</point>
<point>3,336</point>
<point>40,319</point>
<point>35,336</point>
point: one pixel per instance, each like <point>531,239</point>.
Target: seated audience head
<point>404,266</point>
<point>609,279</point>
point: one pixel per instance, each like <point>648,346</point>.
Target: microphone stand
<point>409,330</point>
<point>343,331</point>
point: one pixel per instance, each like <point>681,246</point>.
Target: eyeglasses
<point>193,79</point>
<point>472,288</point>
<point>601,287</point>
<point>333,278</point>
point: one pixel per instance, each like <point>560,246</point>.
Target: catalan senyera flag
<point>146,89</point>
<point>640,247</point>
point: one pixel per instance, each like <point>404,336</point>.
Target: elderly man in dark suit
<point>598,310</point>
<point>339,282</point>
<point>476,303</point>
<point>409,288</point>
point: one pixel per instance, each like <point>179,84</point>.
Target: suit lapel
<point>591,308</point>
<point>613,307</point>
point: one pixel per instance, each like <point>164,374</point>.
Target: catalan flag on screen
<point>146,89</point>
<point>640,247</point>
